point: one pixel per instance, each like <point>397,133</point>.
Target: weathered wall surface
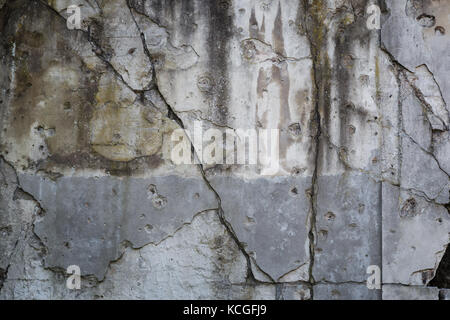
<point>88,178</point>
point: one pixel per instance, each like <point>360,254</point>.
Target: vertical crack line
<point>313,21</point>
<point>172,115</point>
<point>382,139</point>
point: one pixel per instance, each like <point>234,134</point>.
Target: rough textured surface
<point>87,178</point>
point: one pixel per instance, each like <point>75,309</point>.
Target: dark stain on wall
<point>346,37</point>
<point>220,17</point>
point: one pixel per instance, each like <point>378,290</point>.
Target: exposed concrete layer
<point>87,176</point>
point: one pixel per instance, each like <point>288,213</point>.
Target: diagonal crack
<point>30,227</point>
<point>173,115</point>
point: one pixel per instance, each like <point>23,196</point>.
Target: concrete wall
<point>88,178</point>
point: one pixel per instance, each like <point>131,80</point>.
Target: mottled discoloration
<point>86,175</point>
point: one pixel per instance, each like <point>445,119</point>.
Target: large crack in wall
<point>88,179</point>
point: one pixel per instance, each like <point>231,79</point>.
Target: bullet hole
<point>439,220</point>
<point>323,234</point>
<point>67,245</point>
<point>250,220</point>
<point>440,31</point>
<point>224,5</point>
<point>131,51</point>
<point>41,147</point>
<point>349,107</point>
<point>116,136</point>
<point>148,228</point>
<point>409,208</point>
<point>67,106</point>
<point>297,171</point>
<point>196,195</point>
<point>295,129</point>
<point>343,153</point>
<point>348,61</point>
<point>248,49</point>
<point>205,83</point>
<point>159,202</point>
<point>45,132</point>
<point>426,21</point>
<point>242,11</point>
<point>330,216</point>
<point>351,129</point>
<point>353,225</point>
<point>294,191</point>
<point>361,208</point>
<point>152,189</point>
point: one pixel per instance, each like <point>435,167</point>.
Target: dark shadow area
<point>442,277</point>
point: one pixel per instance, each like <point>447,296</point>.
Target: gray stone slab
<point>347,291</point>
<point>415,234</point>
<point>348,227</point>
<point>270,217</point>
<point>87,220</point>
<point>413,44</point>
<point>399,292</point>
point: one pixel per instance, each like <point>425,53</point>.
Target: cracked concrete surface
<point>87,177</point>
